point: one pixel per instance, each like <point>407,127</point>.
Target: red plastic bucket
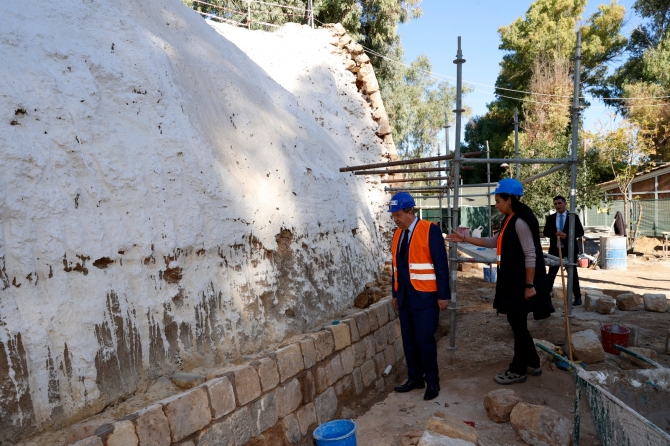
<point>584,263</point>
<point>610,339</point>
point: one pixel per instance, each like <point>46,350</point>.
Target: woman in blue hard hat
<point>522,285</point>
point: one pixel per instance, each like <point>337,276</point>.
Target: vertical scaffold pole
<point>439,165</point>
<point>573,172</point>
<point>453,254</point>
<point>516,140</point>
<point>447,126</point>
<point>488,188</point>
<point>248,14</point>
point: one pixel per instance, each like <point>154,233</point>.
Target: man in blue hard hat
<point>420,285</point>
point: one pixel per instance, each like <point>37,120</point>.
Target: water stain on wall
<point>16,406</point>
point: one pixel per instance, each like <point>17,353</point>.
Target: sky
<point>435,34</point>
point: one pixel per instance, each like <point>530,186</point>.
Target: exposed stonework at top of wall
<point>356,61</point>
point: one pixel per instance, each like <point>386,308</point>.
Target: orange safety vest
<point>421,269</point>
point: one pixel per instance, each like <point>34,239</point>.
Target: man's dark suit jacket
<point>550,231</point>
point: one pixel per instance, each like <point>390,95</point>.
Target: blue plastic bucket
<point>613,252</point>
<point>336,433</point>
<point>490,273</point>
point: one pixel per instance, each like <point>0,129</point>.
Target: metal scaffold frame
<point>452,190</point>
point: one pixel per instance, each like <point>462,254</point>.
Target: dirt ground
<point>484,348</point>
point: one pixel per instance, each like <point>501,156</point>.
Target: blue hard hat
<point>401,200</point>
<point>509,186</point>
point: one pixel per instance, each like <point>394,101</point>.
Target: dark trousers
<point>418,327</point>
<point>553,271</point>
<point>525,354</point>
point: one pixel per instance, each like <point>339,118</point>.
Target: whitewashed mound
<point>170,198</point>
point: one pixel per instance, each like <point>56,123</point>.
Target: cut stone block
<point>353,329</point>
<point>308,352</point>
<point>324,344</point>
<point>268,372</point>
<point>247,384</point>
<point>380,363</point>
<point>218,434</point>
<point>399,349</point>
<point>655,302</point>
<point>221,396</point>
<point>347,359</point>
<point>587,347</point>
<point>382,313</point>
<point>358,381</point>
<point>306,416</point>
<point>326,405</point>
<point>187,413</point>
<point>321,378</point>
<point>289,361</point>
<point>380,340</point>
<point>344,388</point>
<point>307,387</point>
<point>368,373</point>
<point>606,305</point>
<point>667,343</point>
<point>450,426</point>
<point>372,318</point>
<point>370,346</point>
<point>291,428</point>
<point>152,426</point>
<point>334,370</point>
<point>263,413</point>
<point>289,398</point>
<point>187,380</point>
<point>626,302</point>
<point>85,429</point>
<point>123,434</point>
<point>540,425</point>
<point>391,310</point>
<point>359,353</point>
<point>499,404</point>
<point>362,323</point>
<point>241,423</point>
<point>341,336</point>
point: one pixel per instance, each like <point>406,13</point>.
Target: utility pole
<point>456,169</point>
<point>516,140</point>
<point>248,14</point>
<point>310,20</point>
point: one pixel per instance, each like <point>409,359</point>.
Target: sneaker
<point>534,371</point>
<point>509,378</point>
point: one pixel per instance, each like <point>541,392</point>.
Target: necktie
<point>561,222</point>
<point>403,243</point>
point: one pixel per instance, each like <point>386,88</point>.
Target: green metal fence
<point>655,215</point>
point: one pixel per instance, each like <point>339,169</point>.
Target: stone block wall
<point>276,400</point>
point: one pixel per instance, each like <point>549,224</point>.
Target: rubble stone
<point>606,305</point>
<point>85,429</point>
<point>187,413</point>
<point>90,441</point>
<point>626,302</point>
<point>499,404</point>
<point>591,299</point>
<point>646,352</point>
<point>221,396</point>
<point>432,439</point>
<point>587,347</point>
<point>450,426</point>
<point>152,426</point>
<point>289,361</point>
<point>187,380</point>
<point>540,425</point>
<point>655,302</point>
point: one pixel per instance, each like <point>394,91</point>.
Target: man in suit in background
<point>420,285</point>
<point>556,226</point>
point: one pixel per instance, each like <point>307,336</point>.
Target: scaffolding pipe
<point>414,189</point>
<point>417,179</point>
<point>516,140</point>
<point>406,162</point>
<point>453,254</point>
<point>518,160</point>
<point>573,170</point>
<point>545,173</point>
<point>394,171</point>
<point>488,186</point>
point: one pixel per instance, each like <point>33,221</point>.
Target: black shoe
<point>577,303</point>
<point>432,391</point>
<point>411,384</point>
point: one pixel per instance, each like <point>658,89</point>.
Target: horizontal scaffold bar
<point>406,162</point>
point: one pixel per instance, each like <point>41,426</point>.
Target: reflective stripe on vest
<point>421,269</point>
